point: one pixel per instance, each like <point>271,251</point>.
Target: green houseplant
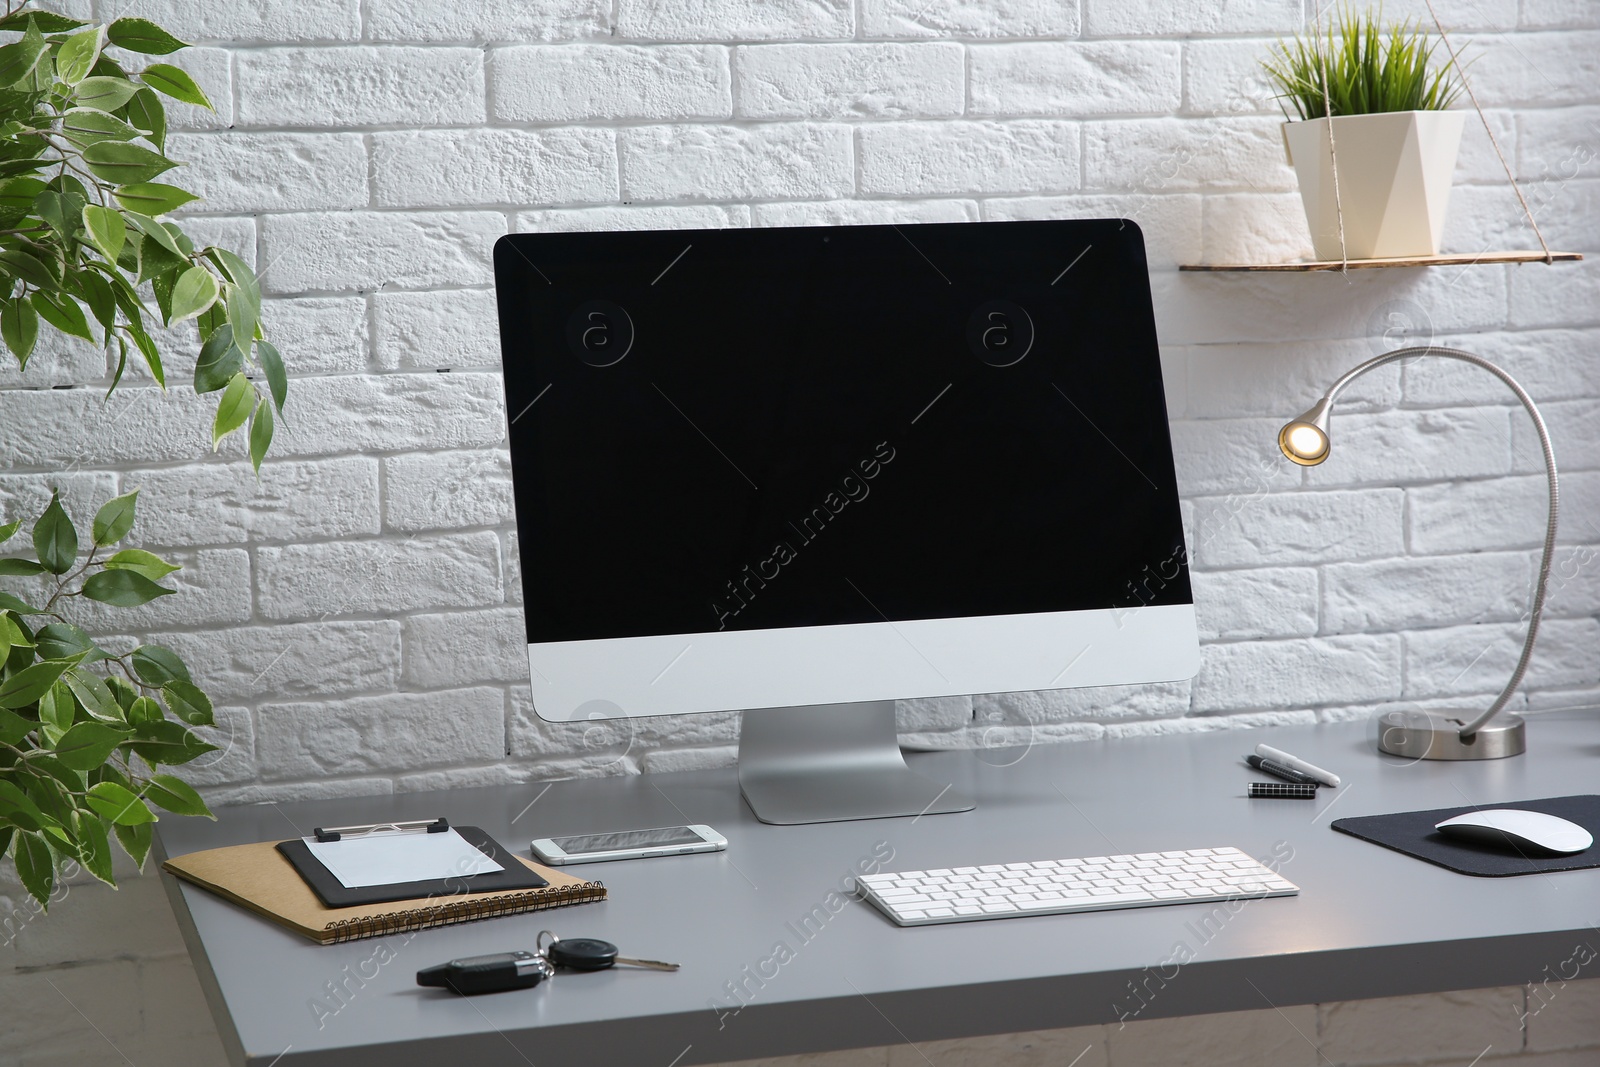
<point>1373,146</point>
<point>84,730</point>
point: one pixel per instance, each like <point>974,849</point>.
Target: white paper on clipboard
<point>390,858</point>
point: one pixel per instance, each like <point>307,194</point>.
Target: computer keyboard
<point>1053,887</point>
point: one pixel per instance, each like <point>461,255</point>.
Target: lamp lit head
<point>1304,439</point>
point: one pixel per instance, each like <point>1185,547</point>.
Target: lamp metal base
<point>1422,735</point>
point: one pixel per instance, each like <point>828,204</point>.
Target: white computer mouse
<point>1511,829</point>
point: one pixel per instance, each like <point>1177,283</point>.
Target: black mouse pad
<point>1412,832</point>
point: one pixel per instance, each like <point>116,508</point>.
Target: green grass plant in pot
<point>1374,103</point>
<point>86,730</point>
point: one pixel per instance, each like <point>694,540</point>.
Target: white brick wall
<point>367,153</point>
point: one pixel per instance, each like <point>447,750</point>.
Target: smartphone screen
<point>628,839</point>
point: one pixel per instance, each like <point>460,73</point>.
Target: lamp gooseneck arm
<point>1541,586</point>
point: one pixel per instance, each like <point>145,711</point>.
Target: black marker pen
<point>1278,770</point>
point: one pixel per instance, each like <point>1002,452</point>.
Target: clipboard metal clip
<point>413,826</point>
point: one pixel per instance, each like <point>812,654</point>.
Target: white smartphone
<point>628,845</point>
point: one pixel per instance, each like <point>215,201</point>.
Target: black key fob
<point>494,973</point>
<point>582,953</point>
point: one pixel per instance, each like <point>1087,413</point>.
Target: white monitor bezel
<point>741,670</point>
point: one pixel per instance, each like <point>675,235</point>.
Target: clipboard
<point>334,894</point>
<point>258,877</point>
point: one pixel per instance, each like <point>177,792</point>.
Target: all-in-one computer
<point>804,472</point>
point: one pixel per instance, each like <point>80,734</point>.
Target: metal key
<point>590,954</point>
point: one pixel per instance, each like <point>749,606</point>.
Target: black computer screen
<point>760,428</point>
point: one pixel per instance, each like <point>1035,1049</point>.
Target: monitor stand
<point>833,763</point>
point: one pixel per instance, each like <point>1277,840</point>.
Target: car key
<point>493,973</point>
<point>590,954</point>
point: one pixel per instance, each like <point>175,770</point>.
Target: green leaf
<point>73,780</point>
<point>77,56</point>
<point>123,588</point>
<point>142,35</point>
<point>9,530</point>
<point>29,684</point>
<point>94,846</point>
<point>168,742</point>
<point>61,210</point>
<point>122,163</point>
<point>129,259</point>
<point>21,635</point>
<point>57,710</point>
<point>20,59</point>
<point>138,560</point>
<point>147,349</point>
<point>89,744</point>
<point>272,363</point>
<point>156,666</point>
<point>195,291</point>
<point>157,233</point>
<point>260,434</point>
<point>233,409</point>
<point>220,359</point>
<point>118,804</point>
<point>105,93</point>
<point>234,269</point>
<point>18,642</point>
<point>156,260</point>
<point>135,841</point>
<point>92,692</point>
<point>45,792</point>
<point>28,267</point>
<point>46,22</point>
<point>122,690</point>
<point>161,285</point>
<point>17,194</point>
<point>244,314</point>
<point>85,125</point>
<point>145,111</point>
<point>97,294</point>
<point>176,83</point>
<point>23,164</point>
<point>214,316</point>
<point>153,198</point>
<point>20,566</point>
<point>106,230</point>
<point>18,808</point>
<point>21,607</point>
<point>176,796</point>
<point>13,727</point>
<point>35,866</point>
<point>19,325</point>
<point>62,640</point>
<point>54,537</point>
<point>63,313</point>
<point>188,702</point>
<point>115,518</point>
<point>144,710</point>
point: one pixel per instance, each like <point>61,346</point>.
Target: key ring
<point>538,942</point>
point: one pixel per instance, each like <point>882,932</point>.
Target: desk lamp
<point>1414,733</point>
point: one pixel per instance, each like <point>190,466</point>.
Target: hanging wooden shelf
<point>1451,259</point>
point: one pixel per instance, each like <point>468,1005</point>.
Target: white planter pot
<point>1395,171</point>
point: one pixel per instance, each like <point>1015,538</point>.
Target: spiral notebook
<point>258,877</point>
